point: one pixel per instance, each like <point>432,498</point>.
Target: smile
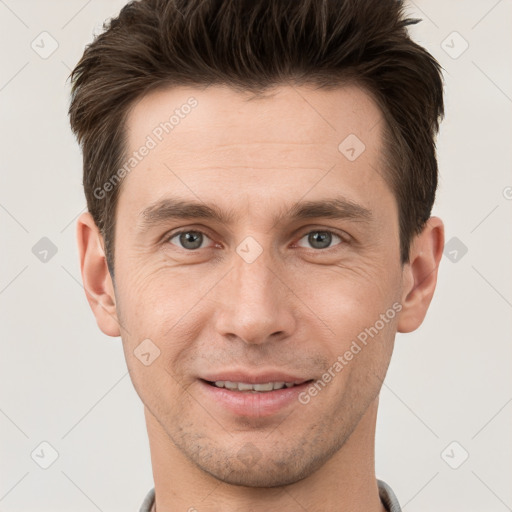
<point>258,400</point>
<point>255,388</point>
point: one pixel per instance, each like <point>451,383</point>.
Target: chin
<point>259,478</point>
<point>270,474</point>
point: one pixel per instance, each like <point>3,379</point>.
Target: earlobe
<point>96,278</point>
<point>420,275</point>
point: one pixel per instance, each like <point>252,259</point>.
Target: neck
<point>346,482</point>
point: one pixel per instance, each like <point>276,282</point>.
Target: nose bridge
<point>254,275</point>
<point>255,301</point>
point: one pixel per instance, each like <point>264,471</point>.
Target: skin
<point>295,308</point>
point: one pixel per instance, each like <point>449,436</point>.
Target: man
<point>259,178</point>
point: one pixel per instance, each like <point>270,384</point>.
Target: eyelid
<point>326,229</point>
<point>344,237</point>
<point>171,234</point>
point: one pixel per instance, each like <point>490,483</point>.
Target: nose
<point>256,304</point>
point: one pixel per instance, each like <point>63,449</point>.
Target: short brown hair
<point>253,45</point>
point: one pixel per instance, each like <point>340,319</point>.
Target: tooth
<point>243,386</point>
<point>263,387</point>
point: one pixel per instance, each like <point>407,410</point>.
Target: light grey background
<point>64,382</point>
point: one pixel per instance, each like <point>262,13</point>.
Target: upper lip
<point>253,378</point>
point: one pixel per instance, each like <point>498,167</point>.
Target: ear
<point>420,275</point>
<point>98,285</point>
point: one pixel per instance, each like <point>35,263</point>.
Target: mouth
<point>253,399</point>
<point>247,387</point>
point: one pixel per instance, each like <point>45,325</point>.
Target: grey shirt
<point>387,496</point>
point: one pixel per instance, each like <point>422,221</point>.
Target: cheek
<point>162,305</point>
<point>153,343</point>
<point>353,307</point>
<point>352,292</point>
<point>151,297</point>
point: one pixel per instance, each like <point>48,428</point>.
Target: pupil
<point>320,236</point>
<point>191,237</point>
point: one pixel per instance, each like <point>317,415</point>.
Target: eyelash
<point>343,238</point>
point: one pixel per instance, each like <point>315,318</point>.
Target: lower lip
<point>253,405</point>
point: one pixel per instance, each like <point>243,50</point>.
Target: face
<point>296,278</point>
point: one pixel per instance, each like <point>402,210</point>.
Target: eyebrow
<point>177,208</point>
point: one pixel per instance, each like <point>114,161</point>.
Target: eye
<point>321,239</point>
<point>190,240</point>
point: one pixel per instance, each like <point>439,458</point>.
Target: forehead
<point>214,141</point>
<point>285,114</point>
